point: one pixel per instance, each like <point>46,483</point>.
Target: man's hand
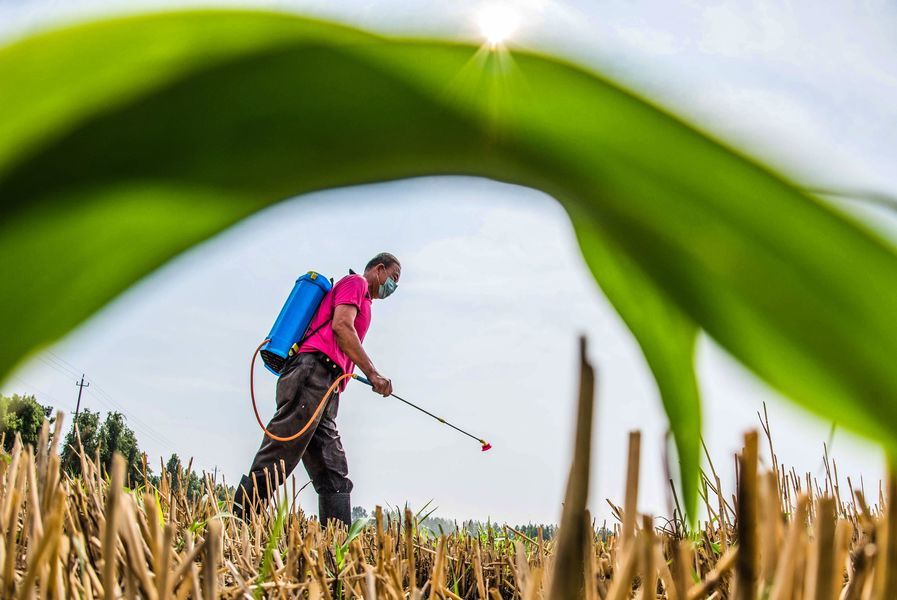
<point>382,385</point>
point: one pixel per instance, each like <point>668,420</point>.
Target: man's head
<point>382,274</point>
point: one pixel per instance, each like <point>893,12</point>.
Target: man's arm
<point>347,338</point>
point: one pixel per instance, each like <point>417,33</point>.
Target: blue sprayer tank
<point>294,318</point>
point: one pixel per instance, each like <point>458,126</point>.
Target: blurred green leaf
<point>667,338</point>
<point>124,142</point>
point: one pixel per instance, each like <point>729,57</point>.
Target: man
<point>332,348</point>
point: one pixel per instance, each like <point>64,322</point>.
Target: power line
<point>144,430</point>
<point>139,426</point>
<point>99,391</point>
<point>33,387</point>
<point>67,369</point>
<point>157,435</point>
<point>62,366</point>
<point>62,360</point>
<point>57,366</point>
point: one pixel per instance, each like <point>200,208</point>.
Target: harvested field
<point>780,536</point>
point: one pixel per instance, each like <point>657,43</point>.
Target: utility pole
<point>81,387</point>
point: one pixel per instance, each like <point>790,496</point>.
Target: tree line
<point>440,525</point>
<point>24,416</point>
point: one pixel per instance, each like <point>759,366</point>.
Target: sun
<point>497,23</point>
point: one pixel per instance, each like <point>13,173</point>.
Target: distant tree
<point>116,436</point>
<point>112,436</point>
<point>22,415</point>
<point>88,424</point>
<point>532,531</point>
<point>439,525</point>
<point>359,512</point>
<point>172,467</point>
<point>194,486</point>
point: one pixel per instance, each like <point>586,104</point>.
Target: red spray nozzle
<point>486,446</point>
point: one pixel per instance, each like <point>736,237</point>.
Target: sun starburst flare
<point>497,23</point>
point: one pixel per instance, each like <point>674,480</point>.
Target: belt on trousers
<point>325,360</point>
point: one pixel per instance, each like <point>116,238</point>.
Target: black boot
<point>248,498</point>
<point>335,506</point>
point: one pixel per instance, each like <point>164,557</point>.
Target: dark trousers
<point>299,391</point>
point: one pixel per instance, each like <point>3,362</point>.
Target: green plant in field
<point>340,549</point>
<point>153,133</point>
<point>270,545</point>
<point>199,525</point>
<point>421,516</point>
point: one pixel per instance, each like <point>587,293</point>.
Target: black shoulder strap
<point>294,349</point>
<point>315,330</point>
<point>329,319</point>
<point>332,311</point>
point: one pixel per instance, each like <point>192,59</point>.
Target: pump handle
<point>364,380</point>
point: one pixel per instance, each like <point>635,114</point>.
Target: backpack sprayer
<point>286,336</point>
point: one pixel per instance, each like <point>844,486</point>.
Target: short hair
<point>384,258</point>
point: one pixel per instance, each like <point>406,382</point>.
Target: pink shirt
<point>353,290</point>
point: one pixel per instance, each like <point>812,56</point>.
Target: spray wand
<point>483,443</point>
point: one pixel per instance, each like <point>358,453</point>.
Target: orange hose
<point>314,416</point>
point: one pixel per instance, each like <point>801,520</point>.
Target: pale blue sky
<point>494,292</point>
